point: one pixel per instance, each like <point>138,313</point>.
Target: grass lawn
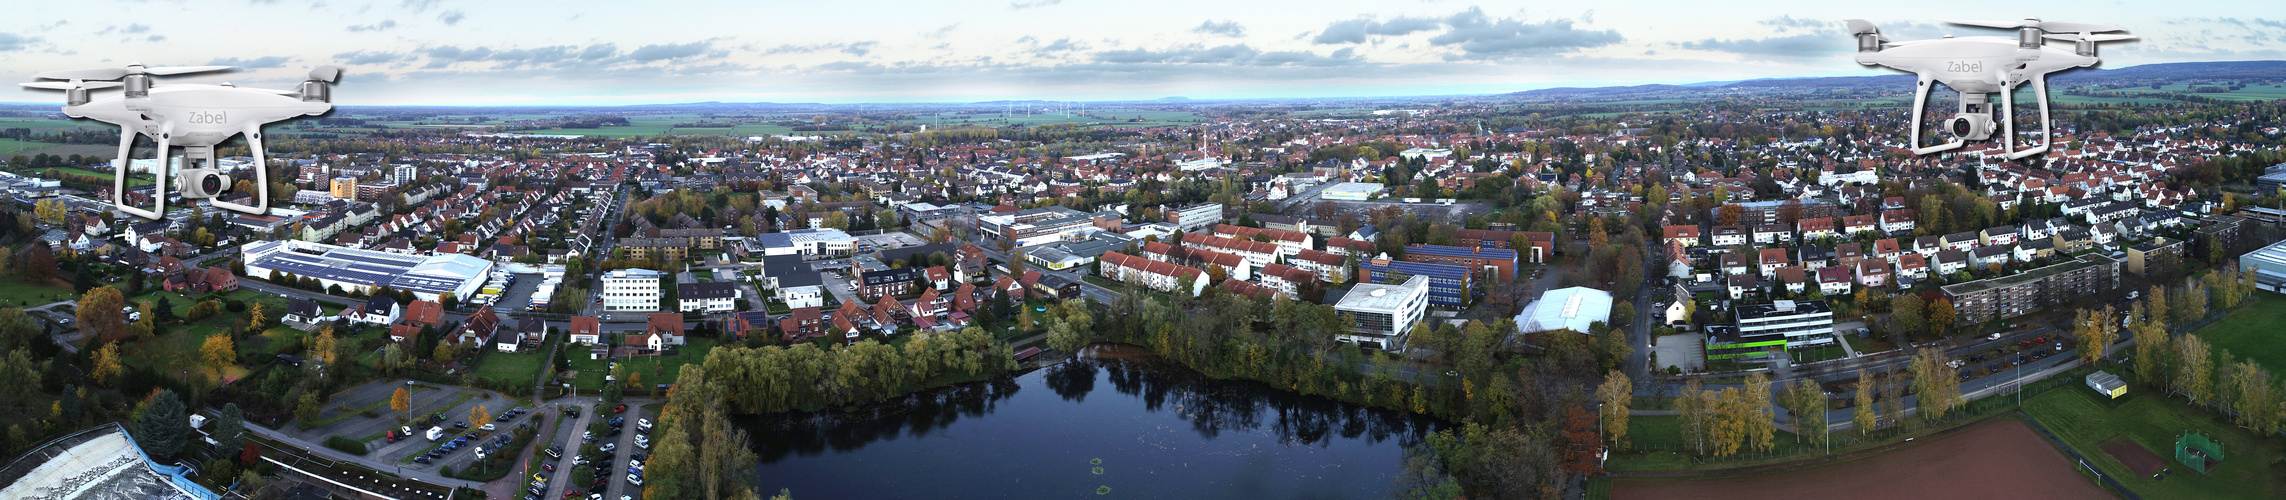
<point>16,292</point>
<point>1866,346</point>
<point>2084,421</point>
<point>1816,354</point>
<point>664,369</point>
<point>591,371</point>
<point>2253,332</point>
<point>517,367</point>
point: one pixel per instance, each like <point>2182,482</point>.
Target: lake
<point>1160,430</point>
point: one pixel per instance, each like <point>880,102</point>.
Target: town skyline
<point>428,52</point>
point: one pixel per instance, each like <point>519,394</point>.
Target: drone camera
<point>202,183</point>
<point>1970,126</point>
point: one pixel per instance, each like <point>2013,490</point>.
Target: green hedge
<point>346,445</point>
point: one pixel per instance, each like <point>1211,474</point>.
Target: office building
<point>1806,323</point>
<point>631,290</point>
<point>1195,217</point>
<point>1383,315</point>
<point>1449,285</point>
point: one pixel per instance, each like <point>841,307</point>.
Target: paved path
<point>1845,344</point>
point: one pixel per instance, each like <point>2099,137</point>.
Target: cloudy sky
<point>516,52</point>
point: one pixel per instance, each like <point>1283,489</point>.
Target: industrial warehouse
<point>428,276</point>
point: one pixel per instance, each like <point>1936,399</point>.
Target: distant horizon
<point>598,53</point>
<point>1160,100</point>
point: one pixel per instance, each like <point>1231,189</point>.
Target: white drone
<point>1978,66</point>
<point>193,117</point>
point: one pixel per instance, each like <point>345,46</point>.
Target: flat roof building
<point>2268,264</point>
<point>1352,191</point>
<point>428,276</point>
<point>1805,323</point>
<point>1383,315</point>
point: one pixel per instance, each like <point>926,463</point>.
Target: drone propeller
<point>118,73</point>
<point>2084,36</point>
<point>2047,26</point>
<point>328,73</point>
<point>75,84</point>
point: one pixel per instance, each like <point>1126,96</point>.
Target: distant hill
<point>2148,73</point>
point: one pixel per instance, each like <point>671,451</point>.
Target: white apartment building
<point>708,297</point>
<point>1194,217</point>
<point>631,290</point>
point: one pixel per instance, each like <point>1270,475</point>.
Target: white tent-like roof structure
<point>1567,308</point>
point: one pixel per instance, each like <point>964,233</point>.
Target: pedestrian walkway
<point>1844,343</point>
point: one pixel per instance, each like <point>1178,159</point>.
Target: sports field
<point>2152,421</point>
<point>2001,459</point>
<point>2253,331</point>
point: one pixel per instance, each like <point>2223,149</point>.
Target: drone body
<point>1978,67</point>
<point>188,116</point>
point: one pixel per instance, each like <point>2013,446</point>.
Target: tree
<point>1690,407</point>
<point>306,407</point>
<point>1908,313</point>
<point>2155,306</point>
<point>1937,389</point>
<point>2094,331</point>
<point>36,263</point>
<point>107,365</point>
<point>218,351</point>
<point>1731,424</point>
<point>1865,418</point>
<point>1729,214</point>
<point>2194,369</point>
<point>256,319</point>
<point>323,349</point>
<point>100,312</point>
<point>444,353</point>
<point>1758,416</point>
<point>478,415</point>
<point>2194,302</point>
<point>2152,351</point>
<point>203,309</point>
<point>401,401</point>
<point>163,429</point>
<point>1583,450</point>
<point>1807,402</point>
<point>229,427</point>
<point>1615,394</point>
<point>1942,315</point>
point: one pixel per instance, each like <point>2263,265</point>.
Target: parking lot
<point>584,449</point>
<point>518,296</point>
<point>459,444</point>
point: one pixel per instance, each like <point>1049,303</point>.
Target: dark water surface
<point>1161,430</point>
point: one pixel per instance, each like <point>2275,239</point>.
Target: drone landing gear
<point>2040,89</point>
<point>126,166</point>
<point>1920,105</point>
<point>261,177</point>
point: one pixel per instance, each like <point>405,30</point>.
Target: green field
<point>48,124</point>
<point>10,147</point>
<point>2253,331</point>
<point>517,367</point>
<point>664,369</point>
<point>591,371</point>
<point>2084,421</point>
<point>15,292</point>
